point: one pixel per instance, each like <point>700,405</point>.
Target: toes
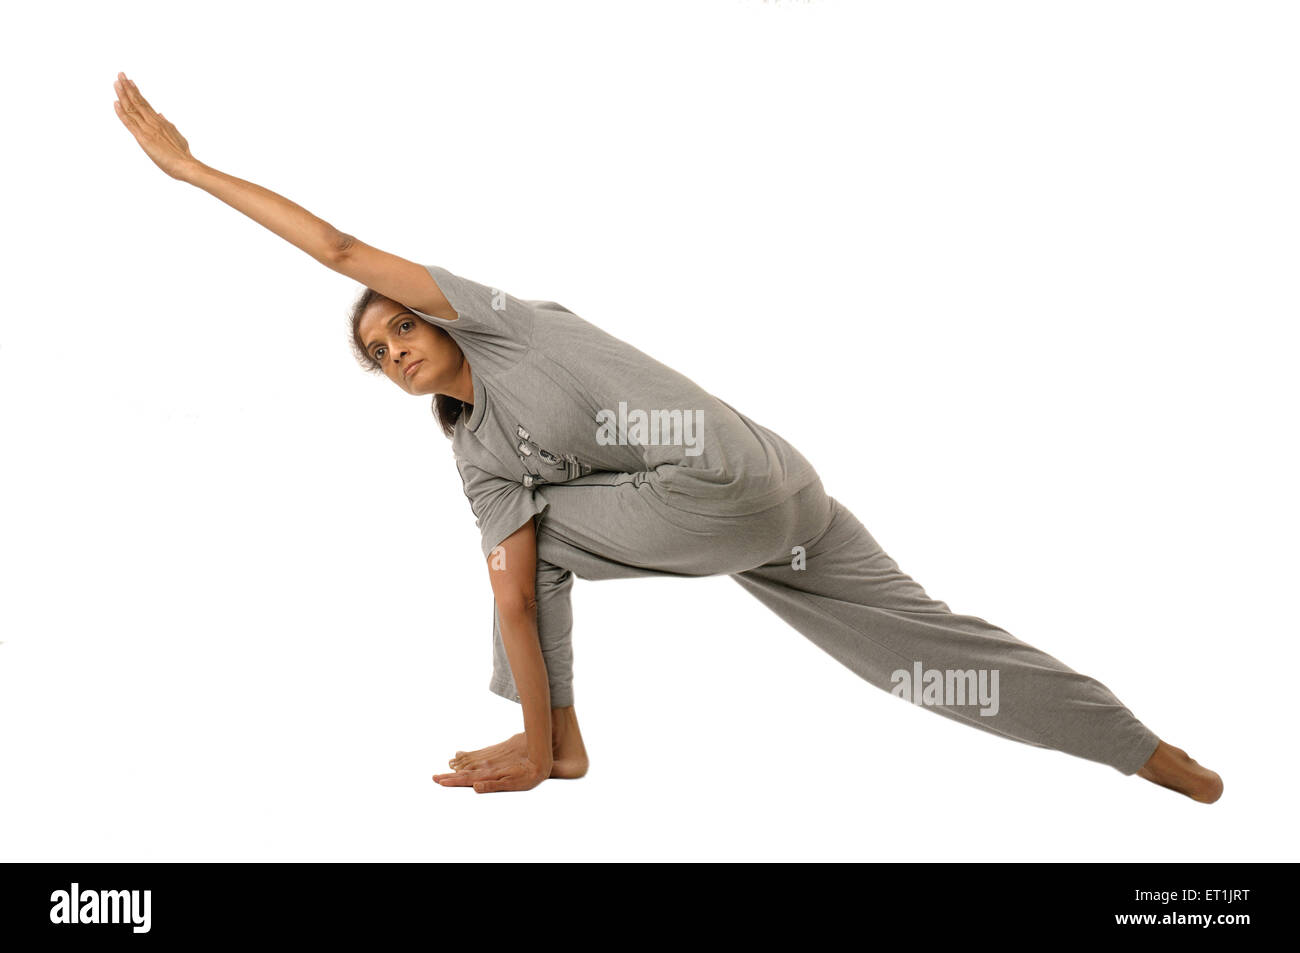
<point>1210,790</point>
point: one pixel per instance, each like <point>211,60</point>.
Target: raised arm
<point>396,278</point>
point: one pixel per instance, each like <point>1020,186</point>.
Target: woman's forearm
<point>524,650</point>
<point>287,219</point>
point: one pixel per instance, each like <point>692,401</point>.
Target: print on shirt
<point>564,467</point>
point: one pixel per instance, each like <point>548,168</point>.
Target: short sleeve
<point>489,321</point>
<point>500,506</point>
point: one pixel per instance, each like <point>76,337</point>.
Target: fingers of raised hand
<point>130,103</point>
<point>134,95</point>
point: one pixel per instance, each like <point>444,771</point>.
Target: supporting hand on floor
<point>568,753</point>
<point>521,774</point>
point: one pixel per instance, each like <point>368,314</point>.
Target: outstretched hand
<point>159,138</point>
<point>519,775</point>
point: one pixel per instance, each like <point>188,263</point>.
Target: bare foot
<point>569,755</point>
<point>1172,768</point>
<point>512,747</point>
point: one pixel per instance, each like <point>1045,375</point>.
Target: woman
<point>580,455</point>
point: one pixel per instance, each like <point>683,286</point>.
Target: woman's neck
<point>461,386</point>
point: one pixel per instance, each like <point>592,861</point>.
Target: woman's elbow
<point>517,605</point>
<point>337,245</point>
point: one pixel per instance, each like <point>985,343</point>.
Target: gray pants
<point>815,565</point>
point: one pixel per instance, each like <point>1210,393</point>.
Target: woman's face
<point>416,356</point>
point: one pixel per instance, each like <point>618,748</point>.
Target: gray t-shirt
<point>558,400</point>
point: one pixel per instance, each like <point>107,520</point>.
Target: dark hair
<point>446,410</point>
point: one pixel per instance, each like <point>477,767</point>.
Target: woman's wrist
<point>544,759</point>
<point>193,172</point>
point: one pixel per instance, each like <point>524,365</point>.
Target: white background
<point>1018,278</point>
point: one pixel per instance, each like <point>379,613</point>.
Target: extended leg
<point>851,600</point>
